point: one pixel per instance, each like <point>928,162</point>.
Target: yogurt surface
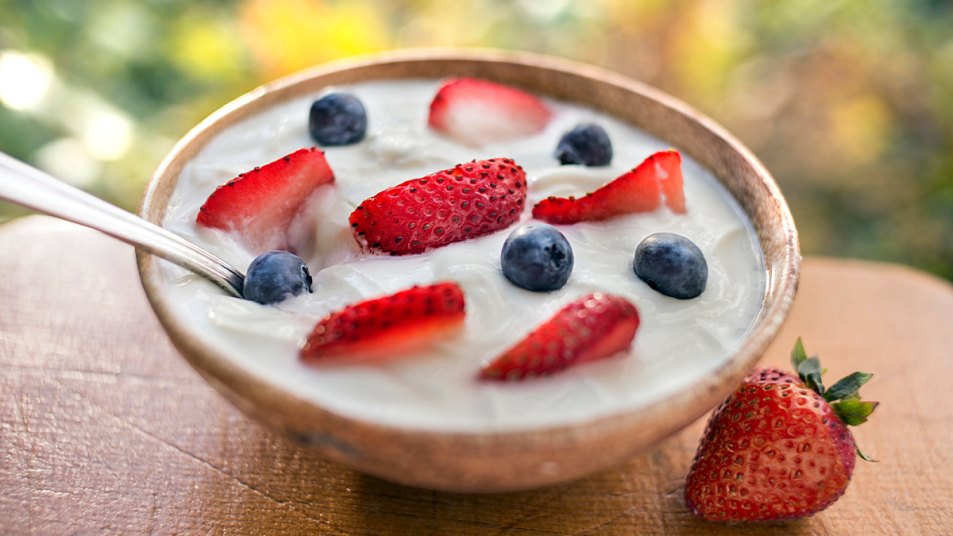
<point>437,388</point>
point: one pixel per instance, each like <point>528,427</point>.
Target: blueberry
<point>537,257</point>
<point>587,144</point>
<point>337,119</point>
<point>275,275</point>
<point>672,265</point>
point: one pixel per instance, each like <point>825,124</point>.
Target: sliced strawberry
<point>639,190</point>
<point>466,201</point>
<point>476,111</point>
<point>592,327</point>
<point>391,324</point>
<point>668,169</point>
<point>259,205</point>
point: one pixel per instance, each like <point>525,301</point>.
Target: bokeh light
<point>849,103</point>
<point>24,79</point>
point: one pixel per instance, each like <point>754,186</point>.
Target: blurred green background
<point>848,102</point>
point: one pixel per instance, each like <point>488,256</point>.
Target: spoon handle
<point>31,188</point>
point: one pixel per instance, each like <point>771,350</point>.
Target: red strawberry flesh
<point>476,111</point>
<point>466,201</point>
<point>668,170</point>
<point>259,205</point>
<point>593,327</point>
<point>387,325</point>
<point>656,180</point>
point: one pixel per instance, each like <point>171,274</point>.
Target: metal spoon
<point>34,189</point>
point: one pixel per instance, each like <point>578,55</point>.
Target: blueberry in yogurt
<point>672,265</point>
<point>587,144</point>
<point>337,119</point>
<point>276,275</point>
<point>537,257</point>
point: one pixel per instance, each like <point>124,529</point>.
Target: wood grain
<point>105,429</point>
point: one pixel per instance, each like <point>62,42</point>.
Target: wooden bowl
<point>486,462</point>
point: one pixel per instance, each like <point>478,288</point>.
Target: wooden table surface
<point>105,429</point>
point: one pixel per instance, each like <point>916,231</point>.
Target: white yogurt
<point>677,342</point>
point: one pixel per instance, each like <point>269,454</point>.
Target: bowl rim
<point>263,398</point>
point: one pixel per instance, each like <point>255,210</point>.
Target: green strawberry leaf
<point>854,411</point>
<point>798,355</point>
<point>807,368</point>
<point>847,387</point>
<point>810,372</point>
<point>843,396</point>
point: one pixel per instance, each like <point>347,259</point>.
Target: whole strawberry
<point>779,447</point>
